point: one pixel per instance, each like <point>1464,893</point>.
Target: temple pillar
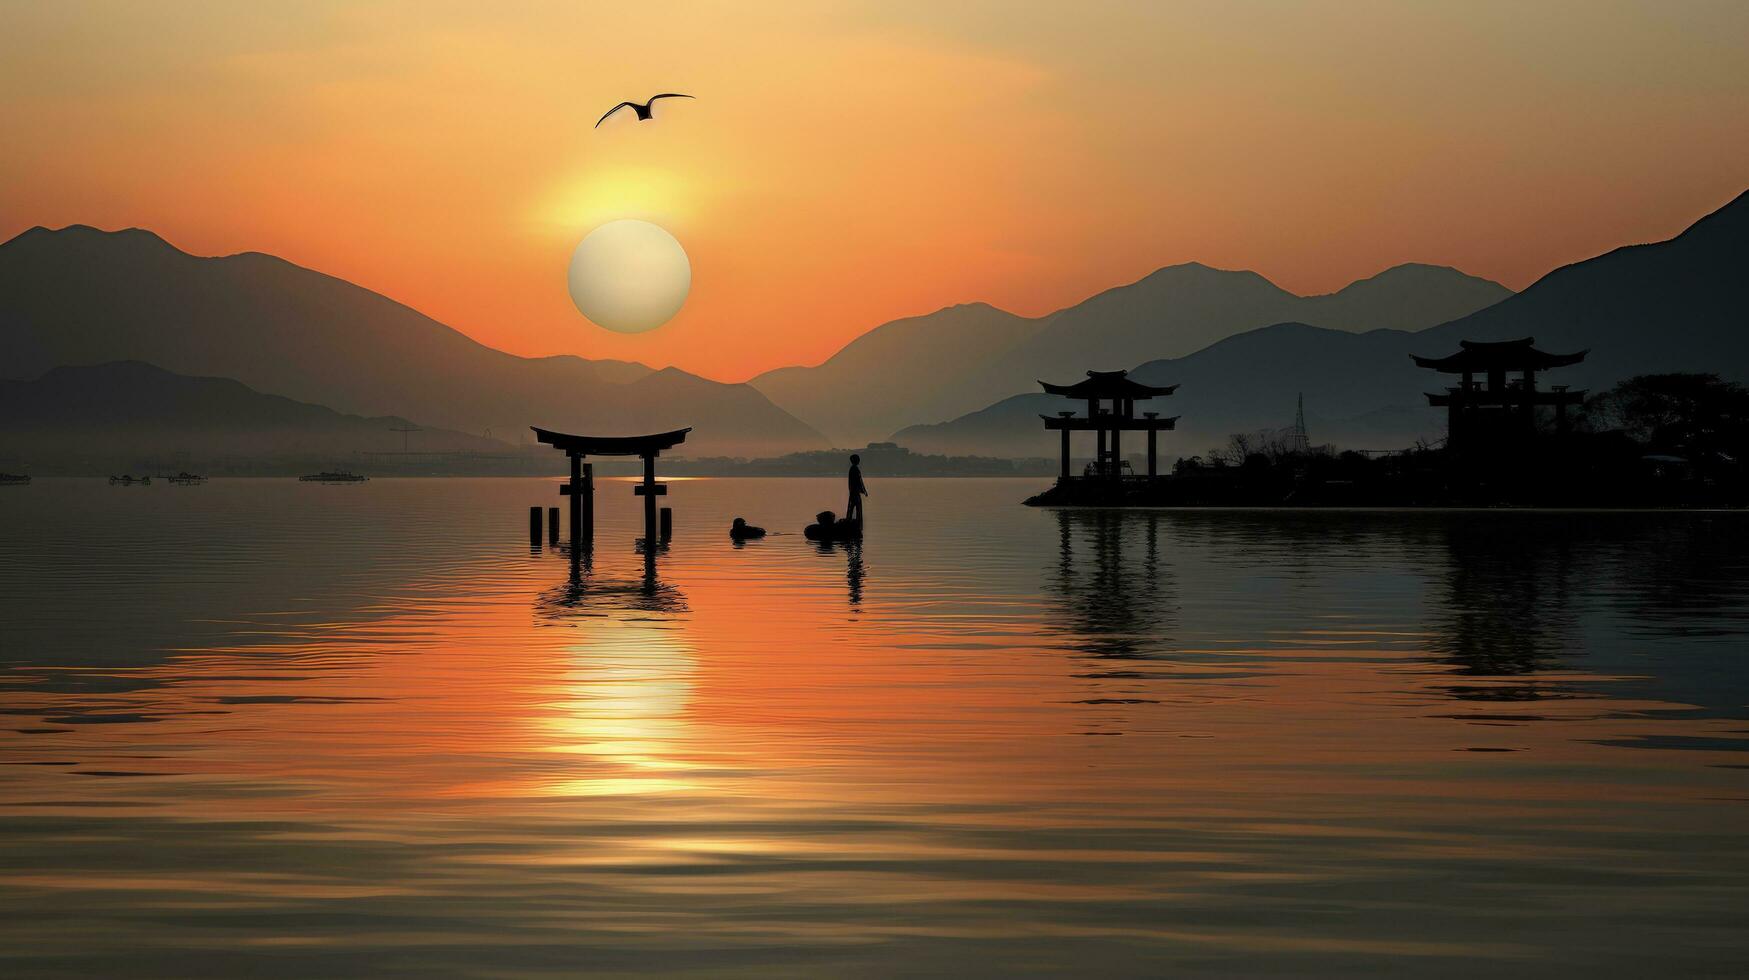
<point>1530,400</point>
<point>1152,469</point>
<point>648,489</point>
<point>576,490</point>
<point>588,532</point>
<point>1116,453</point>
<point>1099,457</point>
<point>1065,452</point>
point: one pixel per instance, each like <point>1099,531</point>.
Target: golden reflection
<point>623,706</point>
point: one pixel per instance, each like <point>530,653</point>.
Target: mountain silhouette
<point>127,409</point>
<point>83,296</point>
<point>1678,305</point>
<point>899,372</point>
<point>964,357</point>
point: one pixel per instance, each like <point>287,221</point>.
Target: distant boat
<point>326,477</point>
<point>14,480</point>
<point>186,479</point>
<point>127,480</point>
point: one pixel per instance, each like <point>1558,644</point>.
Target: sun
<point>630,276</point>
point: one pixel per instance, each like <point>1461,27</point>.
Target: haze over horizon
<point>886,161</point>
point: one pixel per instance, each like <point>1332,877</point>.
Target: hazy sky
<point>849,163</point>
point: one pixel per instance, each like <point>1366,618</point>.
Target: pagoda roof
<point>1108,384</point>
<point>1509,355</point>
<point>611,445</point>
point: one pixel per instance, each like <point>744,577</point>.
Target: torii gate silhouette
<point>581,488</point>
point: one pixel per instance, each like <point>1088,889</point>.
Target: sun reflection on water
<point>1069,742</point>
<point>623,703</point>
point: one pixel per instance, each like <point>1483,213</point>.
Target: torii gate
<point>581,488</point>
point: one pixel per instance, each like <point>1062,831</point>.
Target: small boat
<point>186,479</point>
<point>326,477</point>
<point>829,528</point>
<point>14,480</point>
<point>128,480</point>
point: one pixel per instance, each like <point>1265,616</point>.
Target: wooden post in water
<point>588,506</point>
<point>581,490</point>
<point>667,524</point>
<point>534,524</point>
<point>648,491</point>
<point>574,490</point>
<point>553,525</point>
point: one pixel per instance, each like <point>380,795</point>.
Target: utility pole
<point>1301,443</point>
<point>405,431</point>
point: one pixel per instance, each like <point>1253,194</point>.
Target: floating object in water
<point>13,480</point>
<point>326,477</point>
<point>128,480</point>
<point>829,528</point>
<point>743,531</point>
<point>186,479</point>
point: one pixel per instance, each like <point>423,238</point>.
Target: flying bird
<point>642,109</point>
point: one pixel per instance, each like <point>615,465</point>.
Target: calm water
<point>263,727</point>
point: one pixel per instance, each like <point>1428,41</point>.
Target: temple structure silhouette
<point>1111,398</point>
<point>1498,412</point>
<point>581,486</point>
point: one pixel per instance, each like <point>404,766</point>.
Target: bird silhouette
<point>642,109</point>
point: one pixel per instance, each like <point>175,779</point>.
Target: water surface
<point>266,727</point>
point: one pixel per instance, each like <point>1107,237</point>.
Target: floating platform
<point>826,528</point>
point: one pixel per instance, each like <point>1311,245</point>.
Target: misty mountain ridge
<point>124,409</point>
<point>1677,305</point>
<point>83,296</point>
<point>957,359</point>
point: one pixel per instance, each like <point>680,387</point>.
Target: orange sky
<point>849,163</point>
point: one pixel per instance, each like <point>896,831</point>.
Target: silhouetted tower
<point>405,431</point>
<point>1111,398</point>
<point>1298,441</point>
<point>1497,412</point>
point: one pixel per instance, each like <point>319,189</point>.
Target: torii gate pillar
<point>581,490</point>
<point>650,490</point>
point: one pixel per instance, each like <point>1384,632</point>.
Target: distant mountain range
<point>1679,305</point>
<point>964,357</point>
<point>358,364</point>
<point>79,296</point>
<point>129,410</point>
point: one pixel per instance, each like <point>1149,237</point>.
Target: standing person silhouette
<point>857,490</point>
